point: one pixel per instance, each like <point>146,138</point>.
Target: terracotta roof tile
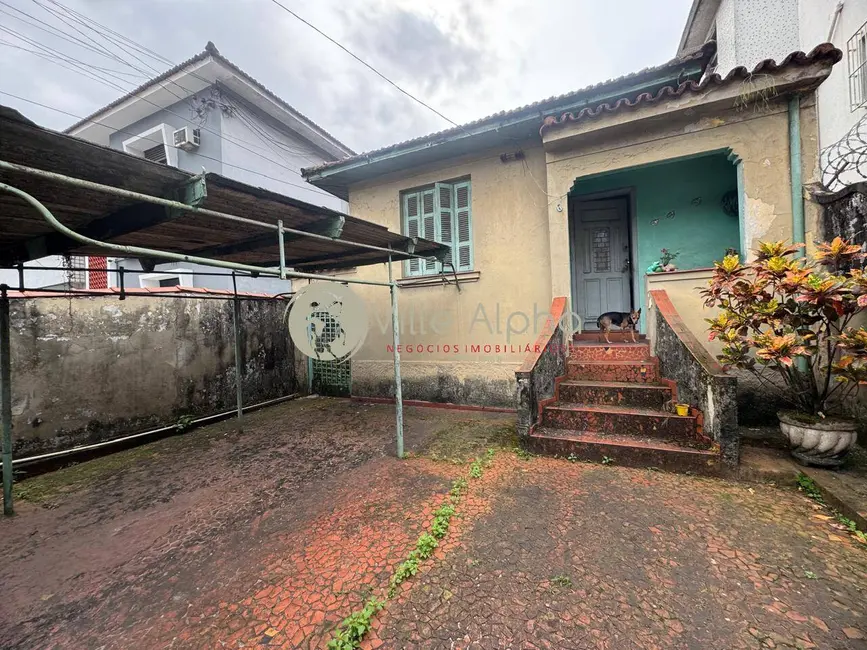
<point>824,52</point>
<point>137,291</point>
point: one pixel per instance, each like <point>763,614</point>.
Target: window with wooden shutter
<point>441,213</point>
<point>463,244</point>
<point>411,228</point>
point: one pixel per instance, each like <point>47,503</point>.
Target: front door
<point>601,266</point>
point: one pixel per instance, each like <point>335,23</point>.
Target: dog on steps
<point>624,320</point>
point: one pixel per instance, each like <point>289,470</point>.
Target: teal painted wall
<point>677,207</point>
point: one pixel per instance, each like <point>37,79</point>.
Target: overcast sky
<point>466,58</point>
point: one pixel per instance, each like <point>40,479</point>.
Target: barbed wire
<point>846,157</point>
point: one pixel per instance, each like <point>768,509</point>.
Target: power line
<point>64,57</point>
<point>367,65</point>
<point>237,141</point>
<point>309,188</point>
<point>45,27</point>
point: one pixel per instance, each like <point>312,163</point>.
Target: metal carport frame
<point>138,251</point>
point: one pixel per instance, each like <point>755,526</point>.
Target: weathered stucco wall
<point>90,369</point>
<point>757,135</point>
<point>677,206</point>
<point>511,248</point>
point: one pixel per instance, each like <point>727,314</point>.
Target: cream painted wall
<point>510,237</point>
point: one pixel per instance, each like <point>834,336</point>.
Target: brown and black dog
<point>623,320</point>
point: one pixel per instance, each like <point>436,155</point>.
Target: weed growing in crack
<point>607,460</point>
<point>808,486</point>
<point>562,581</point>
<point>354,627</point>
<point>522,453</point>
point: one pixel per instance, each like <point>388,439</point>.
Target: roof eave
<point>325,178</point>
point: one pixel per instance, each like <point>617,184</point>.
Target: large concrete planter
<point>815,441</point>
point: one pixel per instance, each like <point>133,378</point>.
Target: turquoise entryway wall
<point>678,206</point>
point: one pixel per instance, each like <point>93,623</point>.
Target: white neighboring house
<point>205,114</point>
<point>749,31</point>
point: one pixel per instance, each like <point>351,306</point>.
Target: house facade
<point>206,114</point>
<point>748,31</point>
<point>574,197</point>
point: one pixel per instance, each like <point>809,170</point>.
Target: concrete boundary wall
<point>88,369</point>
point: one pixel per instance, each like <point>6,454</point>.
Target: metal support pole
<point>282,249</point>
<point>398,390</point>
<point>236,326</point>
<point>6,400</point>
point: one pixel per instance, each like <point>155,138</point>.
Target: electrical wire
<point>45,27</point>
<point>64,57</point>
<point>310,188</point>
<point>237,141</point>
<point>368,66</point>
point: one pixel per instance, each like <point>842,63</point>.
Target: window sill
<point>439,280</point>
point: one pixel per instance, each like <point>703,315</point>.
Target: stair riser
<point>662,427</point>
<point>614,372</point>
<point>615,336</point>
<point>612,353</point>
<point>637,456</point>
<point>638,395</point>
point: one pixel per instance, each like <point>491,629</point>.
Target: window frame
<point>160,134</point>
<point>438,216</point>
<point>856,54</point>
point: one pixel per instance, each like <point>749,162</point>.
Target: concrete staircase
<point>611,404</point>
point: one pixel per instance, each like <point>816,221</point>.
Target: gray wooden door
<point>601,264</point>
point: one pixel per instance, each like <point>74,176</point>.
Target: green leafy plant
<point>184,422</point>
<point>458,488</point>
<point>606,460</point>
<point>442,520</point>
<point>522,453</point>
<point>476,470</point>
<point>786,320</point>
<point>561,581</point>
<point>353,628</point>
<point>666,256</point>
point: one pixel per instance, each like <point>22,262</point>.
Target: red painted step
<point>588,351</point>
<point>614,335</point>
<point>615,393</point>
<point>629,421</point>
<point>624,451</point>
<point>628,371</point>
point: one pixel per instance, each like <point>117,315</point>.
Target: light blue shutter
<point>429,229</point>
<point>412,228</point>
<point>445,212</point>
<point>463,244</point>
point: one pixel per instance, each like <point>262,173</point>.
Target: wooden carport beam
<point>129,219</point>
<point>122,222</point>
<point>327,226</point>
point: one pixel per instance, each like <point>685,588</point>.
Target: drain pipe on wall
<point>798,229</point>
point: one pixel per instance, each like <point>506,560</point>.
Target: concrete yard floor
<point>216,539</point>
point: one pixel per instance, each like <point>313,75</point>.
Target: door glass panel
<point>601,250</point>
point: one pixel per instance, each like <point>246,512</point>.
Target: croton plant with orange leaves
<point>788,320</point>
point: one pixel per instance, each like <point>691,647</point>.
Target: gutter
<point>799,234</point>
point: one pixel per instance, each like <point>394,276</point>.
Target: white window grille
<point>856,50</point>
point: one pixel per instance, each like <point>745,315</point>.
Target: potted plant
<point>786,320</point>
<point>665,263</point>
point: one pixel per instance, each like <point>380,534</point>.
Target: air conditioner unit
<point>187,138</point>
